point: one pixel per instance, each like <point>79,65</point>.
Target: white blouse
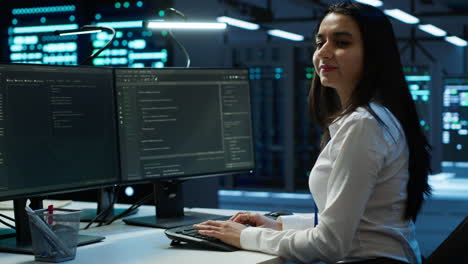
<point>359,185</point>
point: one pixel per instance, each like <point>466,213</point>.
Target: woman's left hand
<point>226,231</point>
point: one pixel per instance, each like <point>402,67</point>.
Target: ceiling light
<point>375,3</point>
<point>183,25</point>
<point>285,35</point>
<point>402,16</point>
<point>238,23</point>
<point>433,30</point>
<point>456,41</point>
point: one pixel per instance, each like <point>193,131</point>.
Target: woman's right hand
<point>256,220</point>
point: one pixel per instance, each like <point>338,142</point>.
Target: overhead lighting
<point>238,23</point>
<point>183,25</point>
<point>375,3</point>
<point>285,35</point>
<point>456,41</point>
<point>433,30</point>
<point>402,16</point>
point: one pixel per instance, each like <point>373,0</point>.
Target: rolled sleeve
<point>249,238</point>
<point>296,222</point>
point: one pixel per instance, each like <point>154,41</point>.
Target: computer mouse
<point>278,213</point>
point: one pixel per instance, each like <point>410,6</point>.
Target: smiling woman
<point>370,178</point>
<point>339,54</point>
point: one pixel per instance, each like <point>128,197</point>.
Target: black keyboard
<point>187,235</point>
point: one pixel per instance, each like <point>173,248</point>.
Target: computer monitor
<point>57,133</point>
<point>178,124</point>
<point>455,124</point>
<point>419,82</point>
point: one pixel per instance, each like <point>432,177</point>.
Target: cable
<point>181,47</point>
<point>187,56</point>
<point>105,213</point>
<point>130,209</point>
<point>85,62</point>
<point>7,217</point>
<point>7,224</point>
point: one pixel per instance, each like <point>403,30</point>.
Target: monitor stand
<point>104,201</point>
<point>21,242</point>
<point>169,203</point>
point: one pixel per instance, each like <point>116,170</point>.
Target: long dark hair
<point>382,81</point>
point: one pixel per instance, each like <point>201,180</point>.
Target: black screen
<point>57,129</point>
<point>183,122</point>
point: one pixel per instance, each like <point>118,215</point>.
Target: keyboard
<point>187,235</point>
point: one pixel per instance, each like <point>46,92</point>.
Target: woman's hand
<point>226,231</point>
<point>257,220</point>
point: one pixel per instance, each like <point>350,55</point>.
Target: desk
<point>134,244</point>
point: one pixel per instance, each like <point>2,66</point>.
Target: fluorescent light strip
<point>402,16</point>
<point>286,35</point>
<point>40,10</point>
<point>122,24</point>
<point>433,30</point>
<point>50,28</point>
<point>185,25</point>
<point>238,23</point>
<point>80,32</point>
<point>147,55</point>
<point>456,41</point>
<point>375,3</point>
<point>417,78</point>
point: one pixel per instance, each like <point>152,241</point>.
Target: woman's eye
<point>319,44</point>
<point>342,43</point>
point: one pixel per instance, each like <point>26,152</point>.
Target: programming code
<point>183,122</point>
<point>57,128</point>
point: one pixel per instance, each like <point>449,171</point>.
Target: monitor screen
<point>455,123</point>
<point>419,83</point>
<point>179,123</point>
<point>57,129</point>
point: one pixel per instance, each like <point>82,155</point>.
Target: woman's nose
<point>325,51</point>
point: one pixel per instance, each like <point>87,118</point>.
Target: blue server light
<point>43,10</point>
<point>134,46</point>
<point>122,24</point>
<point>455,123</point>
<point>43,29</point>
<point>419,84</point>
<point>31,38</point>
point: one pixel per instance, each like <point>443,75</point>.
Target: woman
<point>370,178</point>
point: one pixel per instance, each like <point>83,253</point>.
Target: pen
<point>50,210</point>
<point>315,215</point>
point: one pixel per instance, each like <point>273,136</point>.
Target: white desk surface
<point>134,244</point>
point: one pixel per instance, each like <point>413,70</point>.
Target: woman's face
<point>339,55</point>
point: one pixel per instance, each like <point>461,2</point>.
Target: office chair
<point>454,249</point>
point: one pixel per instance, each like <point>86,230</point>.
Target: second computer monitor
<point>183,123</point>
<point>455,124</point>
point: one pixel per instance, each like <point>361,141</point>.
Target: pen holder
<point>54,236</point>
